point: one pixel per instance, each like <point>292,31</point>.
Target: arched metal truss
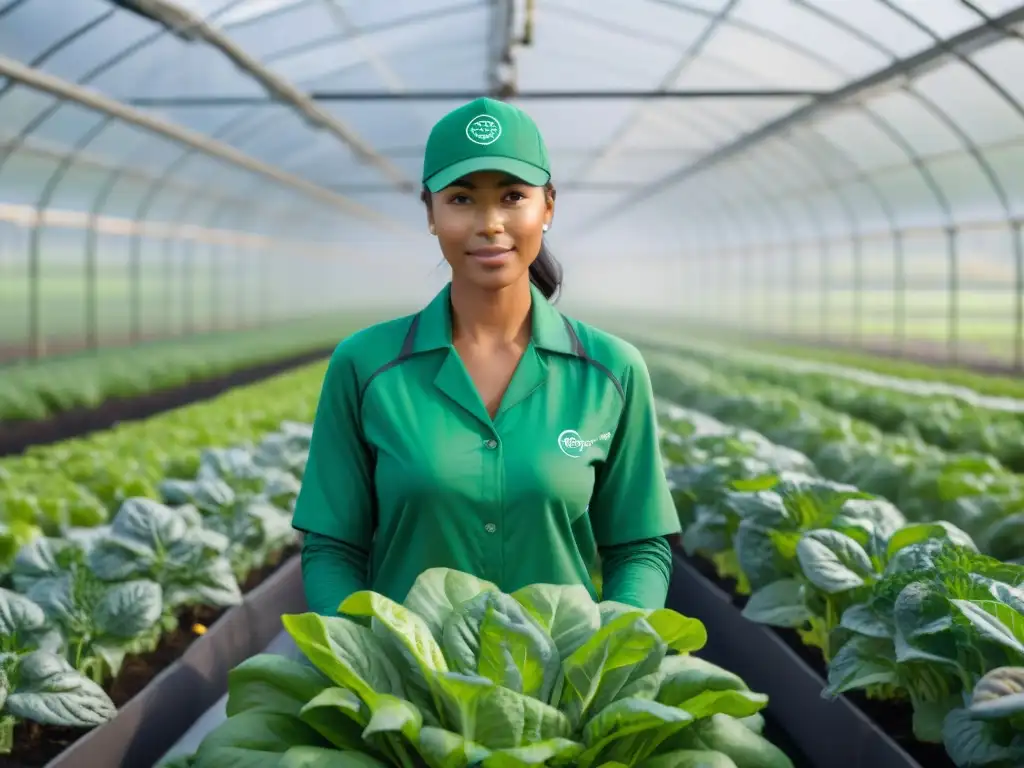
<point>846,172</point>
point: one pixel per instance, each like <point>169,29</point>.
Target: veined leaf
<point>779,604</point>
<point>630,730</point>
<point>566,613</point>
<point>833,562</point>
<point>273,683</point>
<point>347,653</point>
<point>437,592</point>
<point>995,621</point>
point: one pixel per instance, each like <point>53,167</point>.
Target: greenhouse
<point>511,383</point>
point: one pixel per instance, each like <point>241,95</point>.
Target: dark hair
<point>545,271</point>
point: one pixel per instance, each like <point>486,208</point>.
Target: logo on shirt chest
<point>572,445</point>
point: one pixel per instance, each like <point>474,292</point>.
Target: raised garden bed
<point>15,437</point>
<point>847,732</point>
<point>160,694</point>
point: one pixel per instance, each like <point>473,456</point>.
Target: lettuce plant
<point>462,674</point>
<point>37,684</point>
<point>148,540</point>
<point>988,732</point>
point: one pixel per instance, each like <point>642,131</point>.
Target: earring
<point>432,231</point>
<point>546,227</point>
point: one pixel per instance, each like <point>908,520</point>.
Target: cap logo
<point>483,129</point>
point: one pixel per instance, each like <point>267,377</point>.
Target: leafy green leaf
<point>254,740</point>
<point>566,613</point>
<point>496,717</point>
<point>272,683</point>
<point>995,621</point>
<point>51,692</point>
<point>437,592</point>
<point>350,655</point>
<point>861,662</point>
<point>630,730</point>
<point>779,604</point>
<point>833,562</point>
<point>919,532</point>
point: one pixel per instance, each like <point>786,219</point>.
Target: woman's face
<point>490,227</point>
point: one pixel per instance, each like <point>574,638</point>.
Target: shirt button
<point>491,444</point>
<point>490,527</point>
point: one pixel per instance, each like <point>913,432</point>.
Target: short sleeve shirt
<point>407,464</point>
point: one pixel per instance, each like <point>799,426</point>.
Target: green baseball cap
<point>485,135</point>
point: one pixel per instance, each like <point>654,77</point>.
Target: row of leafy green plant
<point>971,490</point>
<point>942,420</point>
<point>900,610</point>
<point>461,674</point>
<point>36,390</point>
<point>108,572</point>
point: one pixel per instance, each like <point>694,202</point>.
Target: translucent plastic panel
<point>675,28</point>
<point>778,63</point>
<point>806,30</point>
<point>871,146</point>
<point>362,76</point>
<point>583,69</point>
<point>637,168</point>
<point>291,26</point>
<point>368,14</point>
<point>76,188</point>
<point>20,107</point>
<point>970,192</point>
<point>339,172</point>
<point>33,27</point>
<point>996,7</point>
<point>23,176</point>
<point>317,60</point>
<point>239,15</point>
<point>987,256</point>
<point>877,22</point>
<point>720,120</point>
<point>926,258</point>
<point>588,124</point>
<point>383,123</point>
<point>1003,61</point>
<point>977,108</point>
<point>123,144</point>
<point>1009,162</point>
<point>915,203</point>
<point>80,58</point>
<point>169,67</point>
<point>944,17</point>
<point>68,124</point>
<point>713,73</point>
<point>910,115</point>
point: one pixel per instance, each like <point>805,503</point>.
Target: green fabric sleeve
<point>637,573</point>
<point>331,571</point>
<point>631,499</point>
<point>337,496</point>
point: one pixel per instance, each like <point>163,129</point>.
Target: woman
<point>487,432</point>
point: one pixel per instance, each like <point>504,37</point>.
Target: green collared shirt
<point>407,466</point>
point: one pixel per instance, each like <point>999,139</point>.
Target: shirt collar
<point>550,331</point>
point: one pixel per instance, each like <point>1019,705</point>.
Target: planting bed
<point>137,565</point>
<point>16,436</point>
<point>904,619</point>
<point>879,734</point>
<point>36,745</point>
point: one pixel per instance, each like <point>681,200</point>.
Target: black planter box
<point>830,733</point>
<point>150,724</point>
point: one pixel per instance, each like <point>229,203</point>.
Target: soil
<point>893,717</point>
<point>15,437</point>
<point>35,745</point>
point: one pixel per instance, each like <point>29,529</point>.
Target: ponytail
<point>546,273</point>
